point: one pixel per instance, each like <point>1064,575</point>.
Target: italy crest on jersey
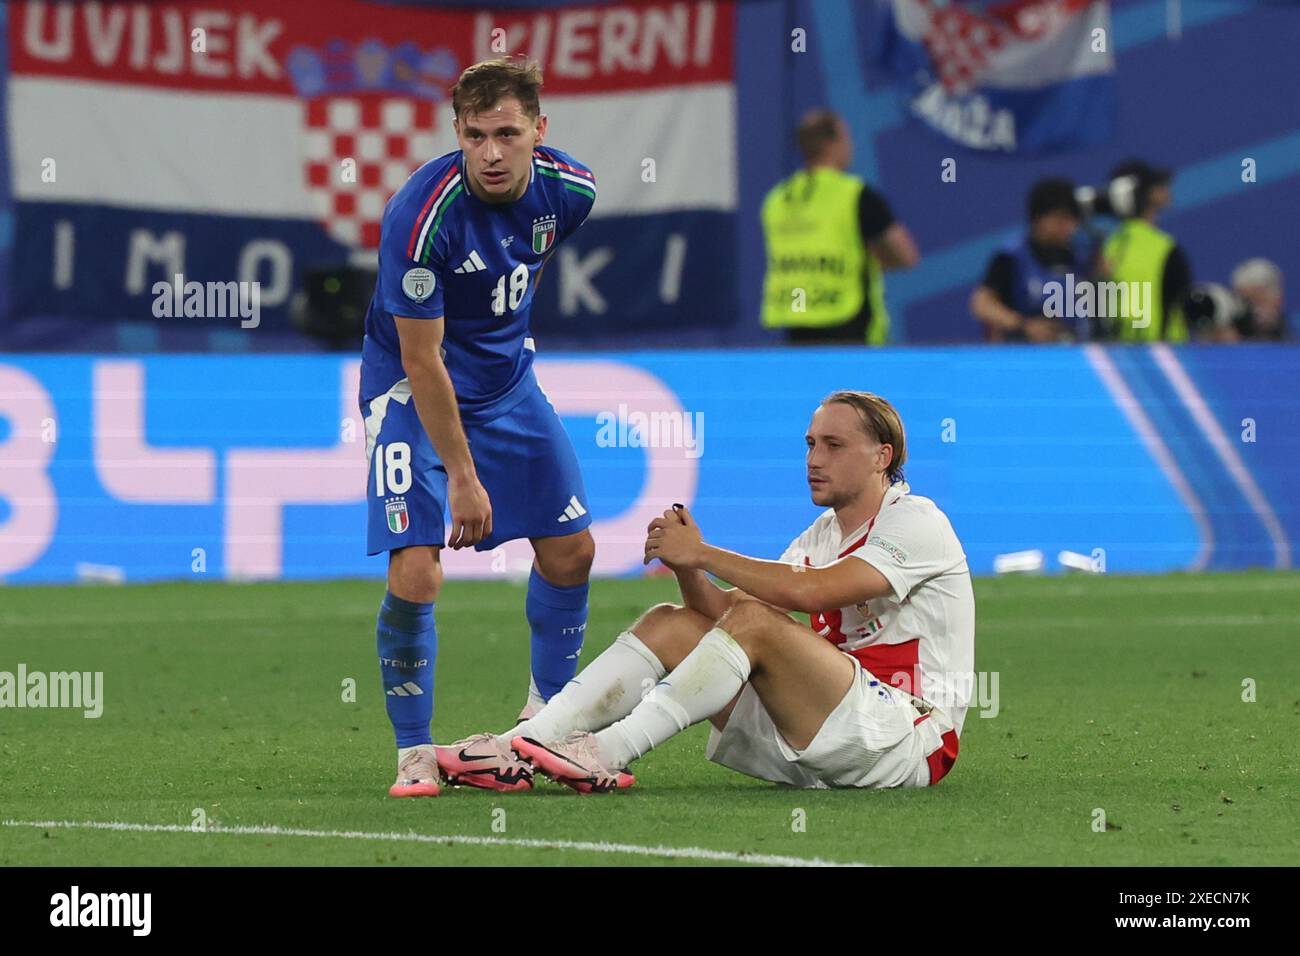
<point>398,518</point>
<point>543,233</point>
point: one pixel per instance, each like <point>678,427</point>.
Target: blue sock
<point>558,618</point>
<point>407,643</point>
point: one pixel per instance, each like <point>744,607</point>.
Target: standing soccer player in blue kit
<point>454,414</point>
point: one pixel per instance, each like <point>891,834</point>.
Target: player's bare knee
<point>655,628</point>
<point>582,554</point>
<point>655,621</point>
<point>749,620</point>
<point>566,562</point>
<point>415,574</point>
<point>752,625</point>
<point>671,632</point>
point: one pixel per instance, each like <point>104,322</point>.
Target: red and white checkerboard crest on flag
<point>963,42</point>
<point>377,106</point>
<point>960,43</point>
<point>388,138</point>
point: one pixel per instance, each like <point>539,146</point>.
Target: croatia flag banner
<point>247,140</point>
<point>1024,76</point>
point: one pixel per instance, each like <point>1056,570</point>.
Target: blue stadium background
<point>1049,451</point>
<point>1224,90</point>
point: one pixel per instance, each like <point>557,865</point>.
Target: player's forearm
<point>778,584</point>
<point>435,403</point>
<point>701,594</point>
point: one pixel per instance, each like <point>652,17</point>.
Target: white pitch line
<point>669,852</point>
<point>1221,620</point>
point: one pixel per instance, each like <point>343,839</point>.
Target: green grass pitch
<point>1123,695</point>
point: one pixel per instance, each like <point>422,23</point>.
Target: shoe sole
<point>560,769</point>
<point>413,790</point>
<point>481,781</point>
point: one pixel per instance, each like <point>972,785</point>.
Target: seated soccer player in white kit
<point>872,694</point>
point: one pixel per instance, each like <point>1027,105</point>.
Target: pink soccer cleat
<point>484,760</point>
<point>417,774</point>
<point>574,761</point>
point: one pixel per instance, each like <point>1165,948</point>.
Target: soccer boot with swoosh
<point>486,761</point>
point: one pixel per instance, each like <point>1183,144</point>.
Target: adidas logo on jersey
<point>472,264</point>
<point>409,689</point>
<point>574,510</point>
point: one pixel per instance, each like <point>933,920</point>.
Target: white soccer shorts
<point>873,738</point>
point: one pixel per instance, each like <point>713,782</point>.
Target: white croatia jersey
<point>920,637</point>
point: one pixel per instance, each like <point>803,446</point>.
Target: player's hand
<point>675,539</point>
<point>471,512</point>
<point>673,516</point>
<point>658,524</point>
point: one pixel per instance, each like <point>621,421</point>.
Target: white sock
<point>606,690</point>
<point>535,700</point>
<point>702,685</point>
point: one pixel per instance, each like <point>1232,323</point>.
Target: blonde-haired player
<point>872,693</point>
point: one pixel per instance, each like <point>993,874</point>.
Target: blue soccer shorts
<point>523,457</point>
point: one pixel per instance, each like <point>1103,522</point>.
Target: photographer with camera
<point>1250,311</point>
<point>1258,283</point>
<point>1009,300</point>
<point>1139,252</point>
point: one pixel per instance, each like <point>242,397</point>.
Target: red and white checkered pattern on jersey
<point>960,44</point>
<point>388,136</point>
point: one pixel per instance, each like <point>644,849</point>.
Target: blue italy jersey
<point>443,252</point>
